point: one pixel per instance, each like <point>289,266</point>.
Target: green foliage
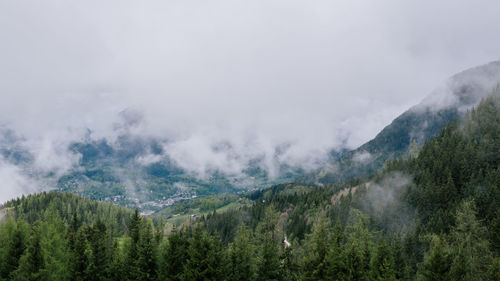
<point>32,264</point>
<point>315,262</point>
<point>383,263</point>
<point>205,258</point>
<point>432,216</point>
<point>268,265</point>
<point>436,265</point>
<point>146,250</point>
<point>33,208</point>
<point>471,252</point>
<point>14,235</point>
<point>494,270</point>
<point>174,255</point>
<point>241,257</point>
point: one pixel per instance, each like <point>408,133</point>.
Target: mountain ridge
<point>135,171</point>
<point>415,126</point>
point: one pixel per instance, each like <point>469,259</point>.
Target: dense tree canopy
<point>433,215</point>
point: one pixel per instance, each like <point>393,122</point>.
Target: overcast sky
<point>314,74</point>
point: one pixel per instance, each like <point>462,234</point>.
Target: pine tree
<point>289,269</point>
<point>355,265</point>
<point>315,263</point>
<point>131,267</point>
<point>471,254</point>
<point>32,264</point>
<point>117,270</point>
<point>174,256</point>
<point>382,264</point>
<point>494,270</point>
<point>205,262</point>
<point>159,233</point>
<point>134,228</point>
<point>99,251</point>
<point>16,244</point>
<point>79,260</point>
<point>268,267</point>
<point>357,248</point>
<point>400,268</point>
<point>494,231</point>
<point>436,264</point>
<point>241,258</point>
<point>335,259</point>
<point>147,255</point>
<point>53,238</point>
<point>76,266</point>
<point>72,229</point>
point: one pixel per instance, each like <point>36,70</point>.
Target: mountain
<point>432,216</point>
<point>414,127</point>
<point>129,170</point>
<point>11,149</point>
<point>136,171</point>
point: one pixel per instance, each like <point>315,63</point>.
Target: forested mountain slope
<point>415,126</point>
<point>136,171</point>
<point>434,215</point>
<point>39,207</point>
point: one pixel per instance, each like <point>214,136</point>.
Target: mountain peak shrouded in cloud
<point>230,93</point>
<point>409,131</point>
<point>134,167</point>
<point>465,89</point>
<point>317,75</point>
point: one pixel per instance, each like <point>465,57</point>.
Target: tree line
<point>433,215</point>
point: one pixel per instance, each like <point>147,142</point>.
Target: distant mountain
<point>432,217</point>
<point>130,170</point>
<point>11,149</point>
<point>414,127</point>
<point>136,171</point>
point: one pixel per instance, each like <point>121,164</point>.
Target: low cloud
<point>362,157</point>
<point>465,89</point>
<point>222,84</point>
<point>384,201</point>
<point>14,182</point>
<point>51,155</point>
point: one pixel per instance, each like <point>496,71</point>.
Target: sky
<point>308,75</point>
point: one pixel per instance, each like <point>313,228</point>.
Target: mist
<point>14,182</point>
<point>221,83</point>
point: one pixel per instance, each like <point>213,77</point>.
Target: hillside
<point>415,126</point>
<point>46,205</point>
<point>432,216</point>
<point>136,171</point>
<point>120,171</point>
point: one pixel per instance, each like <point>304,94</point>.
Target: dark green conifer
<point>174,255</point>
<point>32,263</point>
<point>382,263</point>
<point>436,265</point>
<point>241,257</point>
<point>268,266</point>
<point>146,254</point>
<point>16,245</point>
<point>205,258</point>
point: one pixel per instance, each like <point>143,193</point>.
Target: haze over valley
<point>238,98</point>
<point>249,140</point>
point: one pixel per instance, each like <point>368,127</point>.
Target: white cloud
<point>13,182</point>
<point>362,157</point>
<point>309,76</point>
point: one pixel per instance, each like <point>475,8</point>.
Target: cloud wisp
<point>223,83</point>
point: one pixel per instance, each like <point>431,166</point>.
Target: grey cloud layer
<point>257,74</point>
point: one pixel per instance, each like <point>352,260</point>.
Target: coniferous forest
<point>431,215</point>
